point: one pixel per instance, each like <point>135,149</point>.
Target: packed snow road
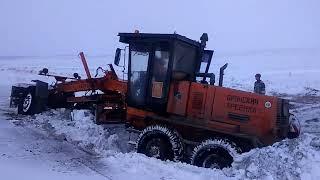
<point>29,153</point>
<point>68,145</point>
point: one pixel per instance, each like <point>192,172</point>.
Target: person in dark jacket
<point>259,86</point>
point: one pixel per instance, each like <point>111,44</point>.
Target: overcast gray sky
<point>55,27</point>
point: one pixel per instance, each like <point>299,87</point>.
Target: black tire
<point>215,153</point>
<point>160,142</point>
<point>27,103</point>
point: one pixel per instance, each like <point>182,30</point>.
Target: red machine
<point>172,101</point>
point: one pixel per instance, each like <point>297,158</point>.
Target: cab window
<point>160,69</point>
<point>184,61</point>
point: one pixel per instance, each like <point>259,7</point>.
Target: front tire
<point>26,105</point>
<point>160,142</point>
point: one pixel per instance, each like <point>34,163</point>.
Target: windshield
<point>184,61</point>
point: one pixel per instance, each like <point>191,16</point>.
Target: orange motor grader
<point>171,100</point>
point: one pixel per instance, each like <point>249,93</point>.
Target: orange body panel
<point>109,82</point>
<point>255,114</point>
<point>104,84</point>
<point>197,100</point>
<point>200,101</point>
<point>178,98</point>
<point>137,116</point>
<point>209,102</point>
<point>225,109</point>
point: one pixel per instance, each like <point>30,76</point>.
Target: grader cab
<point>157,61</point>
<point>171,99</point>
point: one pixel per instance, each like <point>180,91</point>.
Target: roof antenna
<point>204,38</point>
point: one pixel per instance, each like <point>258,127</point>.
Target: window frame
<point>192,77</point>
<point>131,102</point>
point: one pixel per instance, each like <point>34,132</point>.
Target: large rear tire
<point>216,153</point>
<point>160,142</point>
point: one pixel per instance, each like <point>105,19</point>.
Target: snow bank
<point>78,127</point>
<point>139,167</point>
<point>289,159</point>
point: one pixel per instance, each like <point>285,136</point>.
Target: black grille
<point>197,100</point>
<point>282,122</point>
<point>240,117</point>
<point>283,112</point>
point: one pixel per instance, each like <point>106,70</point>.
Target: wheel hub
<point>27,103</point>
<point>154,148</point>
<point>211,161</point>
<point>155,151</point>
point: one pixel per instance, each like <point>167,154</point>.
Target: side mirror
<point>117,57</point>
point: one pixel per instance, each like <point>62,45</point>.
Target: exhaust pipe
<point>222,73</point>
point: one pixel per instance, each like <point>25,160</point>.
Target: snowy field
<point>60,144</point>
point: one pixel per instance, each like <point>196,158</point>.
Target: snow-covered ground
<point>27,153</point>
<point>288,71</point>
<point>59,144</point>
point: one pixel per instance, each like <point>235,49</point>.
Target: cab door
<point>138,74</point>
<point>149,76</point>
<point>159,77</point>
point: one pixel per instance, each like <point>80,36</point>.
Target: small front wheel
<point>26,105</point>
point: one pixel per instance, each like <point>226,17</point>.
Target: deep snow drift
<point>288,159</point>
<point>285,75</point>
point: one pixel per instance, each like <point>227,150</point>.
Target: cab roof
<point>131,37</point>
